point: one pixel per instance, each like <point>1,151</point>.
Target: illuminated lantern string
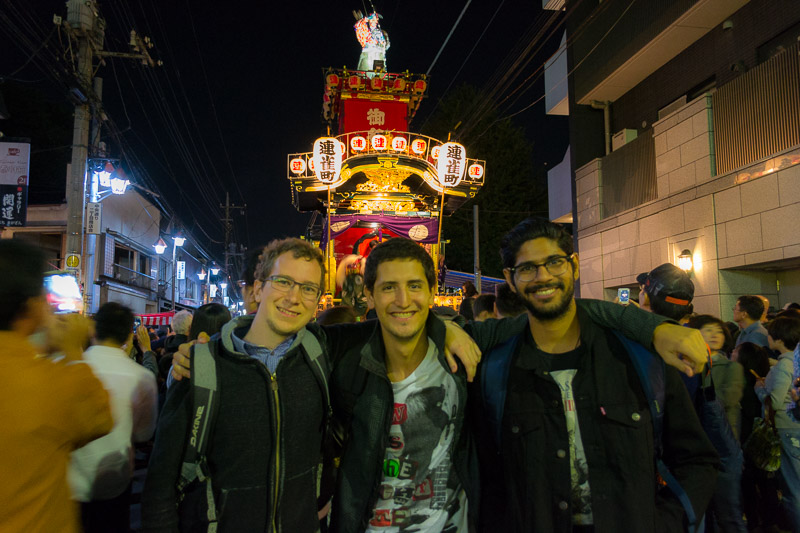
<point>475,171</point>
<point>451,164</point>
<point>358,143</point>
<point>379,142</point>
<point>399,144</point>
<point>418,146</point>
<point>297,165</point>
<point>327,159</point>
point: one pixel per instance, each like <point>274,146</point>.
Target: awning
<point>157,319</point>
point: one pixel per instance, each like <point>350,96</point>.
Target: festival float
<point>374,178</point>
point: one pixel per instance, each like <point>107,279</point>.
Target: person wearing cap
<point>666,290</point>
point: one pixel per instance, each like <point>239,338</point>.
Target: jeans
<point>790,472</point>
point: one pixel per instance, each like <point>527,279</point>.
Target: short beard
<point>547,315</point>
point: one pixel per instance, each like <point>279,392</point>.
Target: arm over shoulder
<point>634,323</point>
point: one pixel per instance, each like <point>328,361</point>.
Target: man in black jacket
<point>576,443</point>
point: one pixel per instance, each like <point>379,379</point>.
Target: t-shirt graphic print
<point>420,490</point>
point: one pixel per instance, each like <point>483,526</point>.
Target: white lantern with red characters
<point>358,143</point>
<point>435,152</point>
<point>418,146</point>
<point>451,164</point>
<point>327,159</point>
<point>475,171</point>
<point>297,165</point>
<point>379,142</point>
<point>399,144</point>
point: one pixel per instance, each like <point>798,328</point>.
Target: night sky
<point>241,87</point>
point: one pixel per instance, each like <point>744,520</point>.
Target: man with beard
<point>576,445</point>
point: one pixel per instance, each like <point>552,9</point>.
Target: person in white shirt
<point>100,472</point>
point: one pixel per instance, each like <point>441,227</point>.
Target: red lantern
<point>358,143</point>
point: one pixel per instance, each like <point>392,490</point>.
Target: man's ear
<point>370,299</point>
<point>509,279</point>
<point>257,286</point>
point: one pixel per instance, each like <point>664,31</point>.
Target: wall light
<point>685,261</point>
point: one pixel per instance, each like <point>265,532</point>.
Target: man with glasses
<point>265,448</point>
<point>576,446</point>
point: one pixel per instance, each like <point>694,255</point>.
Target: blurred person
<point>209,319</point>
<point>47,408</point>
<point>100,472</point>
<point>181,324</point>
<point>468,294</point>
<point>668,291</point>
<point>507,304</point>
<point>789,313</point>
<point>791,305</point>
<point>747,314</point>
<point>728,376</point>
<point>484,307</point>
<point>247,279</point>
<point>338,314</point>
<point>148,358</point>
<point>759,488</point>
<point>783,335</point>
<point>468,290</point>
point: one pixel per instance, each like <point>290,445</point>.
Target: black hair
<point>793,305</point>
<point>338,314</point>
<point>466,308</point>
<point>21,278</point>
<point>529,229</point>
<point>753,306</point>
<point>251,258</point>
<point>786,330</point>
<point>484,302</point>
<point>209,318</point>
<point>394,249</point>
<point>113,322</point>
<point>469,289</point>
<point>753,357</point>
<point>699,321</point>
<point>789,313</point>
<point>668,309</point>
<point>507,302</point>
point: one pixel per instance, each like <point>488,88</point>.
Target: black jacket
<point>528,482</point>
<point>363,403</point>
<point>265,450</point>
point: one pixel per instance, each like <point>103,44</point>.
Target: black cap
<point>669,283</point>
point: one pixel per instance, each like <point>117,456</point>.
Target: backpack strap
<point>203,367</point>
<point>494,384</point>
<point>652,375</point>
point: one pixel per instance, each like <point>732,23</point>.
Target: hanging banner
<point>14,167</point>
<point>94,211</point>
<point>368,115</point>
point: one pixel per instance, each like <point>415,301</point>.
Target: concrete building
<point>684,135</point>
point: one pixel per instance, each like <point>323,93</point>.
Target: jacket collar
<point>373,353</point>
<point>241,325</point>
<point>589,333</point>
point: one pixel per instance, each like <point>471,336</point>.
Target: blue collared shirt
<point>755,333</point>
<point>270,358</point>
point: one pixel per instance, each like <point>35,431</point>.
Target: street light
<point>161,247</point>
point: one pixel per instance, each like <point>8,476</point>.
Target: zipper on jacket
<point>274,387</point>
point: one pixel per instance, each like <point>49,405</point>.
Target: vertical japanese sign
<point>94,211</point>
<point>327,159</point>
<point>14,166</point>
<point>451,164</point>
<point>181,270</point>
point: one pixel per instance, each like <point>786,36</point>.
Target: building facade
<point>684,135</point>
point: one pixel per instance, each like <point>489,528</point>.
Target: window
<point>162,270</point>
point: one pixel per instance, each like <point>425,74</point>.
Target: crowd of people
<point>531,411</point>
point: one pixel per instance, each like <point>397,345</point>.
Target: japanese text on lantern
<point>451,164</point>
<point>327,159</point>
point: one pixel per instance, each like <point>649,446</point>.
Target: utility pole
<point>85,29</point>
<point>227,222</point>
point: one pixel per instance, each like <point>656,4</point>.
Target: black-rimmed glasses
<point>555,266</point>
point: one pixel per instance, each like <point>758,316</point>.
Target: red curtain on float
<point>157,319</point>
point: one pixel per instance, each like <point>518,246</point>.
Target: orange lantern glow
<point>379,142</point>
<point>435,152</point>
<point>399,144</point>
<point>418,146</point>
<point>475,171</point>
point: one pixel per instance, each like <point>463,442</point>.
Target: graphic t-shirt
<point>563,368</point>
<point>420,490</point>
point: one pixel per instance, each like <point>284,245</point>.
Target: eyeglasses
<point>283,284</point>
<point>555,266</point>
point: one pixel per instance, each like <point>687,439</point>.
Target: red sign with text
<point>364,115</point>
